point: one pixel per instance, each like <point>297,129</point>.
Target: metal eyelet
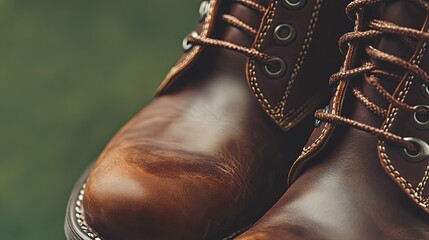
<point>204,10</point>
<point>425,90</point>
<point>186,44</point>
<point>284,34</point>
<point>318,122</point>
<point>422,150</point>
<point>294,4</point>
<point>276,69</point>
<point>417,123</point>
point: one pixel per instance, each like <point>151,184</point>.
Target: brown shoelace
<point>250,52</point>
<point>370,72</point>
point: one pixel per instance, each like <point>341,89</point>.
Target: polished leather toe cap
<point>147,198</point>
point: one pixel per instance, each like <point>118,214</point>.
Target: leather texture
<point>204,158</point>
<point>347,184</point>
<point>306,57</point>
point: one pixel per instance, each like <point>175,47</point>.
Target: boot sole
<point>75,226</point>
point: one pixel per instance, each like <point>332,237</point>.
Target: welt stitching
<point>80,217</point>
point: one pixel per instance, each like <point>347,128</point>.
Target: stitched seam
<point>277,113</point>
<point>300,110</point>
<point>302,55</point>
<point>252,67</point>
<point>407,186</point>
<point>80,217</point>
<point>295,115</point>
<point>308,148</point>
<point>423,183</point>
<point>336,102</point>
<point>324,132</point>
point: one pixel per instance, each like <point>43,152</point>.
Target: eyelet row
<point>422,123</point>
<point>284,34</point>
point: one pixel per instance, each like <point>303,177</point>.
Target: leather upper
<point>306,60</point>
<point>348,184</point>
<point>410,177</point>
<point>204,159</point>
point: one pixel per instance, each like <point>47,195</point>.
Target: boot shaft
<point>388,48</point>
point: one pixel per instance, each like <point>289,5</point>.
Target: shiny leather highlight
<point>204,159</point>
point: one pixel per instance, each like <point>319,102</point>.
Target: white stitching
<point>416,194</point>
<point>277,112</point>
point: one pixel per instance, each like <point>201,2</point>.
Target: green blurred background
<point>71,73</point>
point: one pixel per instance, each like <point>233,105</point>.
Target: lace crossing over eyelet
<point>186,44</point>
<point>421,153</point>
<point>318,122</point>
<point>195,40</point>
<point>276,68</point>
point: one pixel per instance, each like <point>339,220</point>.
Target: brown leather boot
<point>364,171</point>
<point>208,155</point>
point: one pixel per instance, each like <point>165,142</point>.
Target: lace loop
<point>250,52</point>
<point>370,72</point>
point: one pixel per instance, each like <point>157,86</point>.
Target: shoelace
<point>369,71</point>
<point>250,52</point>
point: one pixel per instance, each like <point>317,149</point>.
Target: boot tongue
<point>226,59</point>
<point>401,13</point>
